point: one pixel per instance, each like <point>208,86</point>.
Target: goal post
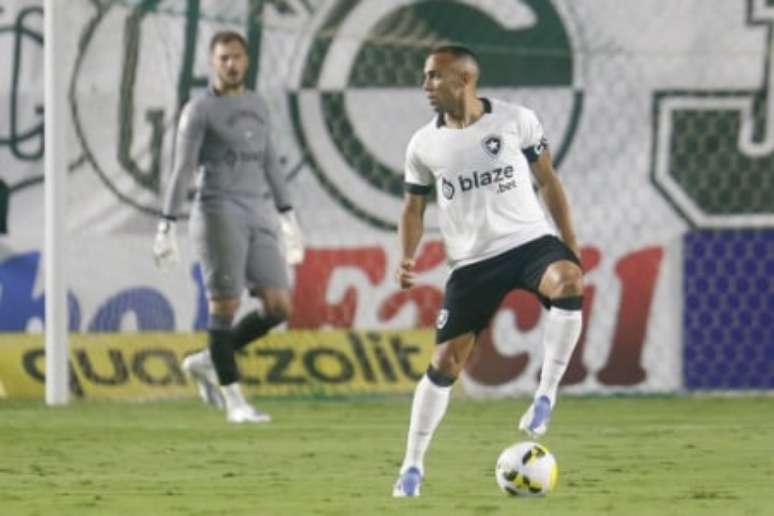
<point>55,195</point>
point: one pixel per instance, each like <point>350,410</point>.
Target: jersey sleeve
<point>276,178</point>
<point>418,179</point>
<point>271,164</point>
<point>533,138</point>
<point>188,142</point>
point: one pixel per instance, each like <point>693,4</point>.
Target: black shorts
<point>474,292</point>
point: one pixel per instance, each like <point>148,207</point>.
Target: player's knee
<point>569,282</point>
<point>285,310</point>
<point>572,287</point>
<point>280,308</point>
<point>562,279</point>
<point>224,308</point>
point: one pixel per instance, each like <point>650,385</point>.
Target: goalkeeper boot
<point>199,368</point>
<point>535,420</point>
<point>246,414</point>
<point>238,410</point>
<point>408,483</point>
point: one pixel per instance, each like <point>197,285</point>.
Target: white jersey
<point>486,202</point>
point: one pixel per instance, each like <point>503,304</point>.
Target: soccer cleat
<point>246,414</point>
<point>535,420</point>
<point>199,368</point>
<point>408,483</point>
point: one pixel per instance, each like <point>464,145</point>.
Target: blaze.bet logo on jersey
<point>447,189</point>
<point>501,177</point>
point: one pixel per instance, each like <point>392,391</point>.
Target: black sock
<point>251,327</point>
<point>222,353</point>
<point>222,350</point>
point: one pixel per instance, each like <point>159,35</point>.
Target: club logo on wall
<point>354,99</point>
<point>358,97</point>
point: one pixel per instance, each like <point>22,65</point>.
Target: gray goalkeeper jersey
<point>227,140</point>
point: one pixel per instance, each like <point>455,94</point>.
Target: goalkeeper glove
<point>294,240</point>
<point>165,251</point>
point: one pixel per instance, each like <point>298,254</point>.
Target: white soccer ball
<point>526,469</point>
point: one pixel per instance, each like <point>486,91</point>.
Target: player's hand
<point>294,239</point>
<point>165,250</point>
<point>405,274</point>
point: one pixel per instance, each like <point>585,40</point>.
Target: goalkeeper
<point>225,136</point>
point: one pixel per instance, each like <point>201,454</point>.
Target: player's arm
<point>554,197</point>
<point>188,143</point>
<point>410,230</point>
<point>276,179</point>
<point>291,229</point>
<point>272,169</point>
<point>190,135</point>
<point>418,184</point>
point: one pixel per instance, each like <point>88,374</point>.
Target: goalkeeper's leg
<point>215,371</point>
<point>276,308</point>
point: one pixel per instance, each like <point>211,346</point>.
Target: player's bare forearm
<point>552,192</point>
<point>410,231</point>
<point>556,202</point>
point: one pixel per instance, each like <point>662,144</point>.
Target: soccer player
<point>225,136</point>
<point>478,153</point>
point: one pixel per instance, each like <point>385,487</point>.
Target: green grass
<point>617,456</point>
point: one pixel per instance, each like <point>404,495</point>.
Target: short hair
<point>227,36</point>
<point>457,51</point>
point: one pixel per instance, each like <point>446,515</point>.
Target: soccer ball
<point>526,469</point>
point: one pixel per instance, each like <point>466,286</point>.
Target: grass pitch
<point>617,456</point>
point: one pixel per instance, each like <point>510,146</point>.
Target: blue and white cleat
<point>535,420</point>
<point>408,483</point>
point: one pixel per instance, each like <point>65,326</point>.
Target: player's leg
<point>431,398</point>
<point>221,349</point>
<point>561,284</point>
<point>215,367</point>
<point>276,308</point>
<point>210,236</point>
<point>471,296</point>
<point>220,243</point>
<point>266,274</point>
<point>268,281</point>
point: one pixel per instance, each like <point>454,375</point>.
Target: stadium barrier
<point>147,365</point>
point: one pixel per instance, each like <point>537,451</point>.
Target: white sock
<point>427,410</point>
<point>562,332</point>
<point>232,393</point>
